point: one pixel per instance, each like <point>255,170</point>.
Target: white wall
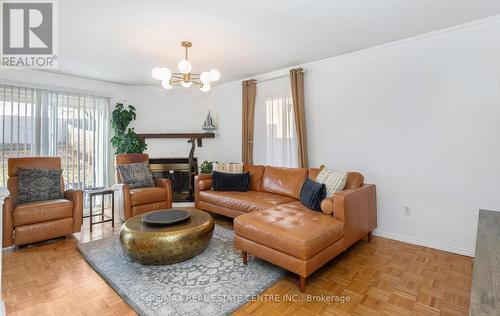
<point>172,111</point>
<point>227,101</point>
<point>420,118</point>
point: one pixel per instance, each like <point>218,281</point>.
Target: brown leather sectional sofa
<point>272,224</point>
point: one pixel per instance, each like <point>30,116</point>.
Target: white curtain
<point>275,138</point>
<point>75,127</point>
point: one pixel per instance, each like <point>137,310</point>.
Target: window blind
<point>75,127</point>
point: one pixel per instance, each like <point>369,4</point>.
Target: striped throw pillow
<point>231,167</point>
<point>334,180</point>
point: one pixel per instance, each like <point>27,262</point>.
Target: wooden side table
<point>100,192</point>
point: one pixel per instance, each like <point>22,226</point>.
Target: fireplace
<point>180,171</point>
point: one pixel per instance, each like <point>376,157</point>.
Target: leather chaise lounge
<point>272,224</point>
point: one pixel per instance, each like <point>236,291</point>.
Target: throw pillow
<point>39,185</point>
<point>231,167</point>
<point>136,175</point>
<point>333,179</point>
<point>312,193</point>
<point>222,181</point>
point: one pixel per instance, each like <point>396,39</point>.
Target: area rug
<point>215,282</point>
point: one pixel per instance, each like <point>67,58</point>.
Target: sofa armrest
<point>357,208</point>
<point>8,226</point>
<point>166,184</point>
<point>76,196</point>
<point>204,181</point>
<point>327,205</point>
<point>201,182</point>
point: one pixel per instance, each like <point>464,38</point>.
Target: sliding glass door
<point>75,127</point>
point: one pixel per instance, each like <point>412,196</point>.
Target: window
<point>75,127</point>
<point>275,140</point>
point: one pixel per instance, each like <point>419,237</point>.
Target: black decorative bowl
<point>165,217</point>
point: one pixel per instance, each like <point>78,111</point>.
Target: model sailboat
<point>208,125</point>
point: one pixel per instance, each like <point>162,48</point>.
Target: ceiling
<point>122,40</point>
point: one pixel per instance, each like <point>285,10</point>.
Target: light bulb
<point>214,75</point>
<point>166,84</point>
<point>156,73</point>
<point>205,77</point>
<point>165,74</point>
<point>186,84</point>
<point>161,73</point>
<point>205,87</point>
<point>185,66</point>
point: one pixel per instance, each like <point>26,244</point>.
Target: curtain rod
<point>277,77</point>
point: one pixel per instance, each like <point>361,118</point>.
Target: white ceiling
<point>122,40</point>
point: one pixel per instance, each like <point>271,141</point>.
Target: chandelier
<point>185,77</point>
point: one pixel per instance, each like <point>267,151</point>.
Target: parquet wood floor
<point>384,277</point>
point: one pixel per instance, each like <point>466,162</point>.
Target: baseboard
<point>411,240</point>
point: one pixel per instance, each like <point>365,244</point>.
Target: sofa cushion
<point>222,181</point>
<point>229,167</point>
<point>313,173</point>
<point>256,173</point>
<point>136,175</point>
<point>290,228</point>
<point>39,185</point>
<point>142,196</point>
<point>354,180</point>
<point>312,193</point>
<point>284,181</point>
<point>41,211</point>
<point>334,180</point>
<point>244,201</point>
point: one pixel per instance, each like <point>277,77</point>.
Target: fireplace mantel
<point>197,136</point>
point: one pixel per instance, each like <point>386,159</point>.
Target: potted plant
<point>207,167</point>
<point>125,140</point>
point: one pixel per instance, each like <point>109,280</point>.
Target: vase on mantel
<point>208,125</point>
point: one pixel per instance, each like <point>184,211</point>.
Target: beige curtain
<point>248,119</point>
<point>297,80</point>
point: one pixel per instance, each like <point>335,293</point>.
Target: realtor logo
<point>28,34</point>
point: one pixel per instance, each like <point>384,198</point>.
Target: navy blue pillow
<point>312,193</point>
<point>222,181</point>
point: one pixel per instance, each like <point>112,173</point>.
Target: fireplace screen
<point>180,172</point>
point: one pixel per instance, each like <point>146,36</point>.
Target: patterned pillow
<point>333,179</point>
<point>231,167</point>
<point>39,185</point>
<point>136,175</point>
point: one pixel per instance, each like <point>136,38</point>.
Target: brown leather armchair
<point>42,220</point>
<point>142,200</point>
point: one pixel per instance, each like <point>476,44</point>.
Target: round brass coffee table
<point>169,244</point>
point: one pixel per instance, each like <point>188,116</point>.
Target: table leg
<point>102,207</point>
<point>113,209</point>
<point>90,212</point>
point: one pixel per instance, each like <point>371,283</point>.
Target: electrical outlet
<point>407,210</point>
